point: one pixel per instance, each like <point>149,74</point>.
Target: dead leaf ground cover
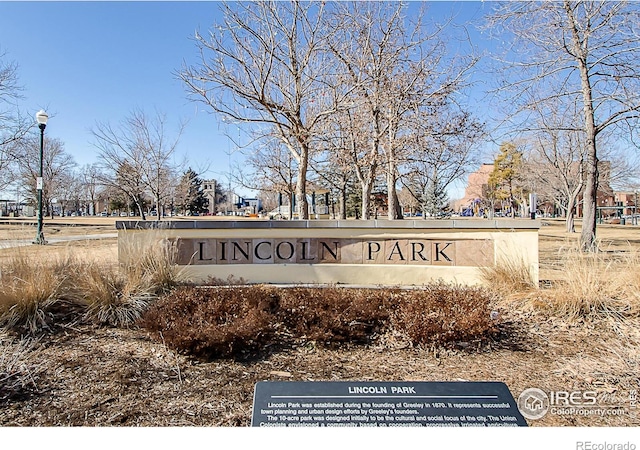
<point>84,375</point>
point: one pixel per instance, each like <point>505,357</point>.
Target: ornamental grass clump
<point>113,297</point>
<point>118,295</point>
<point>32,290</point>
<point>508,275</point>
<point>36,291</point>
<point>151,258</point>
<point>593,285</point>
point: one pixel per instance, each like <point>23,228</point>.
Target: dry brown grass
<point>112,296</point>
<point>151,260</point>
<point>36,281</point>
<point>19,369</point>
<point>508,275</point>
<point>30,289</point>
<point>578,285</point>
<point>616,362</point>
<point>591,285</point>
<point>119,295</point>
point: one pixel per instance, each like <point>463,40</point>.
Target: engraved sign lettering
<point>211,251</point>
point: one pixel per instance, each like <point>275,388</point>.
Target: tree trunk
<point>158,209</point>
<point>571,228</point>
<point>589,198</point>
<point>140,208</point>
<point>571,208</point>
<point>301,184</point>
<point>343,203</point>
<point>394,210</point>
<point>367,187</point>
<point>589,201</point>
<point>292,204</point>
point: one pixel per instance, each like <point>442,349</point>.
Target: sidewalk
<point>54,240</point>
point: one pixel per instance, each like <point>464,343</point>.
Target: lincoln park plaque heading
<point>335,251</point>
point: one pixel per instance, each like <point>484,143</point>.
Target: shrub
<point>441,313</point>
<point>334,315</point>
<point>233,321</point>
<point>214,323</point>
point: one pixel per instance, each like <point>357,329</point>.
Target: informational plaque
<point>384,404</point>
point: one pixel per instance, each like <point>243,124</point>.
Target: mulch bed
<point>84,375</point>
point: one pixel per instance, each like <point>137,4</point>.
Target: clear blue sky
<point>86,62</point>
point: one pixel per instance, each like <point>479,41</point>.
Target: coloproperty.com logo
<point>535,403</point>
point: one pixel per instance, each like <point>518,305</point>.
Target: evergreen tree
<point>435,199</point>
<point>506,174</point>
<point>190,195</point>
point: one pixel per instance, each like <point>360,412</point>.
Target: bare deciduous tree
<point>262,65</point>
<point>392,70</point>
<point>69,191</point>
<point>139,154</point>
<point>13,125</point>
<point>90,184</point>
<point>274,169</point>
<point>333,166</point>
<point>588,51</point>
<point>557,160</point>
<point>440,150</point>
<point>57,163</point>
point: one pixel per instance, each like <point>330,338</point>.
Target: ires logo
<point>575,398</point>
<point>534,403</point>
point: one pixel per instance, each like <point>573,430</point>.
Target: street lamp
<point>42,118</point>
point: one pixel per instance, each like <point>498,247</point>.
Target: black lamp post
<point>42,118</point>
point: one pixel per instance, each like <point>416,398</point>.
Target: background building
<point>209,189</point>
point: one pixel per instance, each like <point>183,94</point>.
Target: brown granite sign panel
<point>209,251</point>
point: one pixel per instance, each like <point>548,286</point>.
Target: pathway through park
<point>24,242</point>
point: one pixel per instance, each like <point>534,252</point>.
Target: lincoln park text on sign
<point>335,251</point>
<point>355,252</point>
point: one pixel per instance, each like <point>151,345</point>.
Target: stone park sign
<point>379,252</point>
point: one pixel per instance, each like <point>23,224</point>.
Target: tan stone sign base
<point>371,253</point>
